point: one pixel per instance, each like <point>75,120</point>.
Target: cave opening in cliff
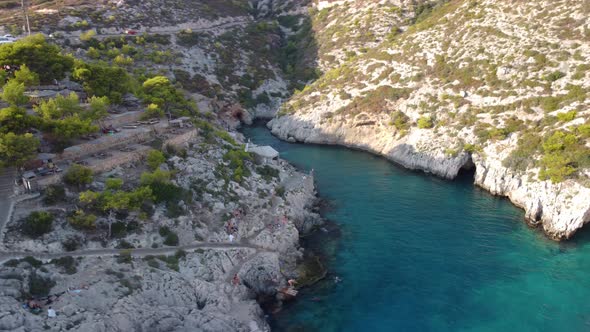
<point>238,115</point>
<point>467,171</point>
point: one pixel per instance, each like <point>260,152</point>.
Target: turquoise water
<point>418,253</point>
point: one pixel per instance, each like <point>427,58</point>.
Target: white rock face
<point>561,209</point>
<point>417,150</point>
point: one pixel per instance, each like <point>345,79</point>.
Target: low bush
<point>54,194</point>
<point>37,223</point>
<point>400,121</point>
<point>170,238</point>
<point>79,219</point>
<point>280,191</point>
<point>71,243</point>
<point>425,122</point>
<point>32,261</point>
<point>154,159</point>
<point>567,116</point>
<point>267,172</point>
<point>554,76</point>
<point>187,38</point>
<point>68,264</point>
<point>78,175</point>
<point>40,286</point>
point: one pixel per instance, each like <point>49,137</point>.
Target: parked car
<point>131,32</point>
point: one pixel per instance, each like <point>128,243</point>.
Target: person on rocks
<point>51,313</point>
<point>236,280</point>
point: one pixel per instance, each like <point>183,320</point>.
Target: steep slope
<point>503,85</point>
<point>433,85</point>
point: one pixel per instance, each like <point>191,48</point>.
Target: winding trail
<point>139,252</point>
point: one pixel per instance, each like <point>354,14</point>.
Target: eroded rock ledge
<point>560,209</point>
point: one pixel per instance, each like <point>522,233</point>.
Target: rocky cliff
<point>497,85</point>
<point>207,281</point>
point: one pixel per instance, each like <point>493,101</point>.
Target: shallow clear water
<point>417,253</point>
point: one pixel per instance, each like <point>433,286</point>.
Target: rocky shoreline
<point>206,281</point>
<point>559,209</point>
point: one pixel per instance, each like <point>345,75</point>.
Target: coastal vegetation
<point>37,223</point>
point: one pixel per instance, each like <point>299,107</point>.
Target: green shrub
<point>93,53</point>
<point>123,60</point>
<point>40,286</point>
<point>124,245</point>
<point>170,238</point>
<point>154,159</point>
<point>554,76</point>
<point>523,156</point>
<point>471,148</point>
<point>54,193</point>
<point>32,261</point>
<point>152,111</point>
<point>79,219</point>
<point>71,244</point>
<point>87,35</point>
<point>268,173</point>
<point>169,193</point>
<point>563,154</point>
<point>101,80</point>
<point>171,261</point>
<point>550,104</point>
<point>68,264</point>
<point>41,57</point>
<point>173,210</point>
<point>119,229</point>
<point>236,159</point>
<point>187,38</point>
<point>280,191</point>
<point>567,116</point>
<point>400,120</point>
<point>78,175</point>
<point>37,223</point>
<point>584,130</point>
<point>425,122</point>
<point>125,257</point>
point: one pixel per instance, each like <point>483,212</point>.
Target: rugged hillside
<point>205,232</point>
<point>433,85</point>
<point>500,84</point>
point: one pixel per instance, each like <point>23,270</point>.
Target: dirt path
<point>140,252</point>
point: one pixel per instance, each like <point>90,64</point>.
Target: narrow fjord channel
<point>418,253</point>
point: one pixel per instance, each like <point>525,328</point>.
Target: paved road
<point>7,176</point>
<point>4,256</point>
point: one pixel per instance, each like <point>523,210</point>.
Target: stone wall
<point>108,142</point>
<point>117,120</point>
<point>181,139</point>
